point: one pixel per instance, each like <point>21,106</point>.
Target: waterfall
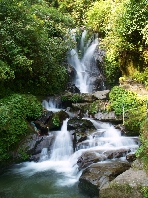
<point>106,137</point>
<point>44,154</point>
<point>62,147</point>
<point>52,104</point>
<point>85,66</point>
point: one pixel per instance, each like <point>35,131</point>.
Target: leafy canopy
<point>34,43</point>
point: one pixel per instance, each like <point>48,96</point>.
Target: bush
<point>134,107</point>
<point>15,112</point>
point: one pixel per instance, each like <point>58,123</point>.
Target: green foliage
<point>73,98</point>
<point>143,149</point>
<point>34,43</point>
<point>5,72</point>
<point>134,119</point>
<point>23,154</point>
<point>144,191</point>
<point>122,24</point>
<point>141,77</point>
<point>15,110</point>
<point>93,108</point>
<point>120,97</point>
<point>98,15</point>
<point>77,9</point>
<point>134,107</point>
<point>56,120</point>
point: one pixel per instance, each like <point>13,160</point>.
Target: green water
<point>45,184</point>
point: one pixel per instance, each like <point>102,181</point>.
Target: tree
<point>33,46</point>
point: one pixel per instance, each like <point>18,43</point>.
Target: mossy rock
<point>121,191</point>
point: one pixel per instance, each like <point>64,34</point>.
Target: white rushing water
<point>62,147</point>
<point>62,160</point>
<point>106,137</point>
<point>82,65</point>
<point>51,105</point>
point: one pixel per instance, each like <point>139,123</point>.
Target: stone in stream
<point>93,156</point>
<point>97,175</point>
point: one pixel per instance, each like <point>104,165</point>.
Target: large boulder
<point>108,117</point>
<point>32,145</point>
<point>131,183</point>
<point>97,175</point>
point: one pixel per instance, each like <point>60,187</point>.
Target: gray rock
<point>101,94</point>
<point>97,175</point>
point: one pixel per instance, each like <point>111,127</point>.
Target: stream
<point>56,174</point>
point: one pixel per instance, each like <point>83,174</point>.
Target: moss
<point>116,190</point>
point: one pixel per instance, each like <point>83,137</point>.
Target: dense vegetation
<point>133,105</point>
<point>123,26</point>
<point>34,40</point>
<point>33,47</point>
<point>15,113</point>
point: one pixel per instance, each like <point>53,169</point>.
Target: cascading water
<point>106,137</point>
<point>56,174</point>
<point>51,105</point>
<point>62,147</point>
<point>84,66</point>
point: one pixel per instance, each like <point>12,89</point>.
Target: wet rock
<point>131,157</point>
<point>128,184</point>
<point>108,117</point>
<point>45,116</point>
<point>90,157</point>
<point>81,129</point>
<point>71,73</point>
<point>83,107</point>
<point>53,122</point>
<point>73,89</point>
<point>41,128</point>
<point>83,125</point>
<point>68,98</point>
<point>33,145</point>
<point>87,97</point>
<point>97,175</point>
<point>111,154</point>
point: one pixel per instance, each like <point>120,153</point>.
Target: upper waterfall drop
<point>82,59</point>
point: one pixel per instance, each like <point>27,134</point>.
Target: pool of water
<point>17,183</point>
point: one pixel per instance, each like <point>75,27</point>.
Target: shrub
<point>15,112</point>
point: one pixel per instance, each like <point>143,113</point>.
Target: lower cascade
<point>57,172</point>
